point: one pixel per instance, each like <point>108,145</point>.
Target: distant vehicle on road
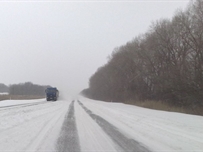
<point>52,94</point>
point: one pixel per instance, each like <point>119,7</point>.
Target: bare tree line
<point>165,63</point>
<point>3,88</point>
<point>27,88</point>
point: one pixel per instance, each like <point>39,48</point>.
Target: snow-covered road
<point>87,125</point>
<point>30,125</point>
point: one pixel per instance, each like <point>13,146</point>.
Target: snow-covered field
<point>10,103</point>
<point>88,125</point>
<point>4,93</point>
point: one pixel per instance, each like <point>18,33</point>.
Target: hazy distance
<point>63,43</point>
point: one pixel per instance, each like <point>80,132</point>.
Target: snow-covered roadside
<point>19,102</point>
<point>158,130</point>
<point>33,127</point>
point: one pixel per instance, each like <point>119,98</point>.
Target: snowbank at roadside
<point>18,102</point>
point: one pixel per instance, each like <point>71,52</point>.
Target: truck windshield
<point>51,90</point>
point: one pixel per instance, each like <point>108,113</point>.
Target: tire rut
<point>69,139</point>
<point>125,144</point>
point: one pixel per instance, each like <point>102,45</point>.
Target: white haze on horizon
<point>63,43</point>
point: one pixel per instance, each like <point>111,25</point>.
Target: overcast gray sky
<point>63,43</point>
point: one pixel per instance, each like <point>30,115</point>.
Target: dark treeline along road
<point>27,88</point>
<point>3,88</point>
<point>165,63</point>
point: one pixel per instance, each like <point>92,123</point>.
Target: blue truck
<point>52,94</point>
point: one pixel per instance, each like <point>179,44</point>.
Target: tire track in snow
<point>126,144</point>
<point>69,139</point>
